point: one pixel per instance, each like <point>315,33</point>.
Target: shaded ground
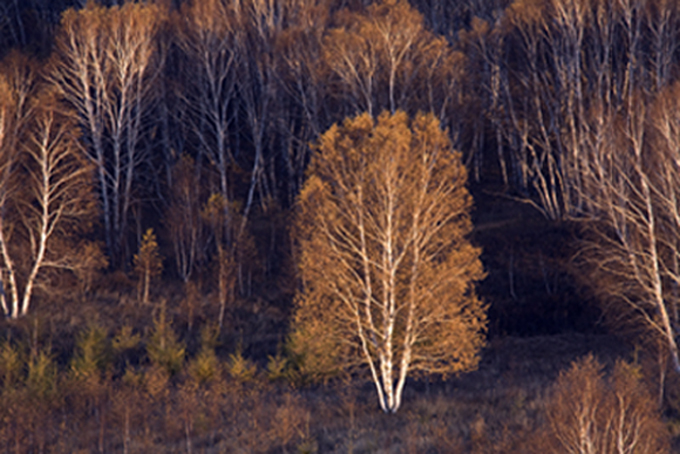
<point>494,409</point>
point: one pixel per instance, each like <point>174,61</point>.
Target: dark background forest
<point>148,280</point>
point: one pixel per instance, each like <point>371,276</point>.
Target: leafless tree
<point>552,65</point>
<point>260,23</point>
<point>18,80</point>
<point>633,191</point>
<point>300,76</point>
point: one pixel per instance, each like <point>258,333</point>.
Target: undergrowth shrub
<point>11,365</point>
<point>205,367</point>
<point>590,412</point>
<point>290,424</point>
<point>93,354</point>
<point>164,349</point>
<point>240,368</point>
<point>279,369</point>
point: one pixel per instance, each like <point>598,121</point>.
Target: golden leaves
<point>385,58</point>
<point>382,231</point>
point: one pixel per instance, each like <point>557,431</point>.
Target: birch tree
<point>18,80</point>
<point>59,199</point>
<point>260,23</point>
<point>230,96</point>
<point>301,77</point>
<point>386,265</point>
<point>105,64</point>
<point>554,64</point>
<point>206,34</point>
<point>47,203</point>
<point>589,412</point>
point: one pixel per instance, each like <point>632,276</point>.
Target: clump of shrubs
<point>591,412</point>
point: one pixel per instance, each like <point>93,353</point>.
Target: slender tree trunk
<point>126,431</point>
<point>11,275</point>
<point>655,272</point>
<point>147,280</point>
<point>368,301</point>
<point>222,283</point>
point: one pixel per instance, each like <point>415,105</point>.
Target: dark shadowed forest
<point>325,226</point>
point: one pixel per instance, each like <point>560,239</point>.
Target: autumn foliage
<point>386,264</point>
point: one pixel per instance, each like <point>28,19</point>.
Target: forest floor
<point>498,408</point>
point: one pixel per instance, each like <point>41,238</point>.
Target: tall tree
<point>105,64</point>
<point>386,264</point>
<point>301,77</point>
<point>229,97</point>
<point>47,197</point>
<point>207,34</point>
<point>548,67</point>
<point>260,23</point>
<point>59,200</point>
<point>18,80</point>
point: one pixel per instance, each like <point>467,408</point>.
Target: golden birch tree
<point>591,412</point>
<point>387,268</point>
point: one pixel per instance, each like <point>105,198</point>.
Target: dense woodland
<point>152,253</point>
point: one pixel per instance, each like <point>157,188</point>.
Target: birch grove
<point>633,191</point>
<point>549,65</point>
